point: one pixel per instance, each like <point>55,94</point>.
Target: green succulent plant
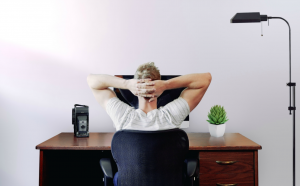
<point>217,115</point>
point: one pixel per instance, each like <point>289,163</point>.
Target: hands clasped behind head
<point>145,88</point>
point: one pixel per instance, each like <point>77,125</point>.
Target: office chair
<point>151,158</point>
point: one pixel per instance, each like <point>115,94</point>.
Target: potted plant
<point>217,118</point>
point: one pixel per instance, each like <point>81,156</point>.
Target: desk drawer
<point>244,179</point>
<point>228,162</point>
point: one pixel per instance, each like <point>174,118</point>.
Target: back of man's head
<point>147,70</point>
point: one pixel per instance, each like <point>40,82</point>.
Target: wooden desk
<point>65,160</point>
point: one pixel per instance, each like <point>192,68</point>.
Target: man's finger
<point>140,85</point>
<point>149,91</point>
<point>152,99</point>
<point>144,80</point>
<point>147,95</point>
<point>144,85</point>
<point>150,84</point>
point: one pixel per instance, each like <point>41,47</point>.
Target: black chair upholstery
<point>150,158</point>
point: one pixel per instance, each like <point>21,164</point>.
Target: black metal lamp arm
<point>290,84</point>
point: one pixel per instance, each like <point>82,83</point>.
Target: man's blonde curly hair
<point>147,70</point>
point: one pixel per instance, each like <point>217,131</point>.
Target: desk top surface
<point>102,141</point>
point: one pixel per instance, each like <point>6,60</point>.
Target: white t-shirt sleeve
<point>176,111</point>
<point>118,111</point>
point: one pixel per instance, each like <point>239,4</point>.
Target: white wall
<point>47,49</point>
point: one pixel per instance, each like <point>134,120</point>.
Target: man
<point>147,86</point>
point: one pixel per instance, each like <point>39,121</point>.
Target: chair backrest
<point>150,158</point>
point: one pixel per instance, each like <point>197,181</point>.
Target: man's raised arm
<point>196,84</point>
<point>99,84</point>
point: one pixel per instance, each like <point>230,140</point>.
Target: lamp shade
<point>248,17</point>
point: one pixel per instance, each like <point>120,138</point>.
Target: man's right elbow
<point>89,80</point>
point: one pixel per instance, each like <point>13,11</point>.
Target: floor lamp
<point>251,17</point>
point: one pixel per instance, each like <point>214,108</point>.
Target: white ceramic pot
<point>216,130</point>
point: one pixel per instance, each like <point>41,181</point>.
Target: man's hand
<point>141,87</point>
<point>159,87</point>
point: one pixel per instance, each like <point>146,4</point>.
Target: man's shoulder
<point>179,102</point>
<point>116,105</point>
<point>177,106</point>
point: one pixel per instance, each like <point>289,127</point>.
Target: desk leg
<point>41,167</point>
<point>256,167</point>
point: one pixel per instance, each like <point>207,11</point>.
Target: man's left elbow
<point>209,77</point>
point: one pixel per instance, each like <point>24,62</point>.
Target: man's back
<point>163,118</point>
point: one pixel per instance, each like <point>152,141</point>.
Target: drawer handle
<point>232,184</point>
<point>226,162</point>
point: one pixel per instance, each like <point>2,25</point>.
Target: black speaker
<point>80,120</point>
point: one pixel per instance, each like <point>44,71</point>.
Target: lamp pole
<point>256,17</point>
